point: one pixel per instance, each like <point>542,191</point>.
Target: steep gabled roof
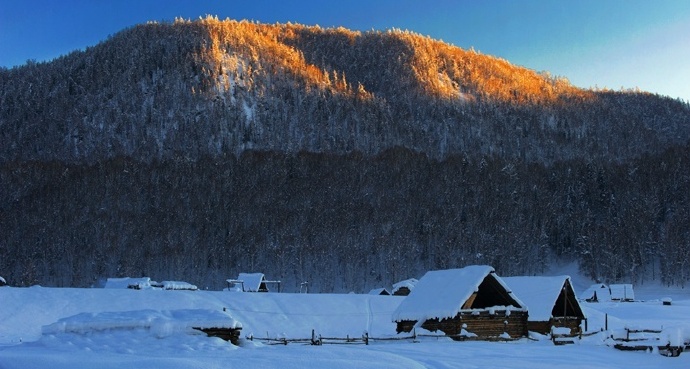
<point>543,294</point>
<point>252,281</point>
<point>444,293</point>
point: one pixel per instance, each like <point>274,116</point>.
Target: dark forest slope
<point>197,150</point>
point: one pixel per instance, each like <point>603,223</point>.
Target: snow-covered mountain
<point>200,150</point>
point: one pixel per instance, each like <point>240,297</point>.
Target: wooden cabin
<point>596,293</point>
<point>622,292</point>
<point>403,288</point>
<point>551,302</point>
<point>145,283</point>
<point>472,302</point>
<point>251,282</point>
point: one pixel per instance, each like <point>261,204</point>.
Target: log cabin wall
<point>405,326</point>
<point>483,324</point>
<point>544,327</point>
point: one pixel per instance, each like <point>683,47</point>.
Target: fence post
<point>366,338</point>
<point>606,322</point>
<point>313,340</point>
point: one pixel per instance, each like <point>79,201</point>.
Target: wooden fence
<point>318,340</point>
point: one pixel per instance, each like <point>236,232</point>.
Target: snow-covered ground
<point>112,328</point>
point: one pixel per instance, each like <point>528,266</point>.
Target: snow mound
<point>162,323</point>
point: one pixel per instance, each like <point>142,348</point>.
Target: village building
<point>131,283</point>
<point>596,293</point>
<point>251,282</point>
<point>403,288</point>
<point>379,291</point>
<point>472,302</point>
<point>622,292</point>
<point>145,283</point>
<point>551,302</point>
<point>178,286</point>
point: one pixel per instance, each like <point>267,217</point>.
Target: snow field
<point>34,333</point>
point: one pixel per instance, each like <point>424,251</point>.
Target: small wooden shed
<point>622,292</point>
<point>551,302</point>
<point>251,282</point>
<point>596,293</point>
<point>472,302</point>
<point>403,288</point>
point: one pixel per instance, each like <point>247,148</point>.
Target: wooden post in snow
<point>606,322</point>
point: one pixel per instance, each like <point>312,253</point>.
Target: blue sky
<point>604,43</point>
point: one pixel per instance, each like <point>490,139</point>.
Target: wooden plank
<point>227,334</point>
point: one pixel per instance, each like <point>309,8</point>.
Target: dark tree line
<point>198,150</point>
<point>343,222</point>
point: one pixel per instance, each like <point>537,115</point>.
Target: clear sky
<point>603,43</point>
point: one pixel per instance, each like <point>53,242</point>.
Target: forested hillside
<point>198,150</point>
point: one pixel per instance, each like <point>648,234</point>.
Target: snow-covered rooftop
<point>409,283</point>
<point>252,281</point>
<point>178,285</point>
<point>379,291</point>
<point>622,292</point>
<point>126,282</point>
<point>538,293</point>
<point>442,293</point>
<point>603,293</point>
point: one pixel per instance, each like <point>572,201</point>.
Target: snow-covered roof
<point>252,281</point>
<point>603,292</point>
<point>178,285</point>
<point>538,293</point>
<point>442,293</point>
<point>622,292</point>
<point>126,282</point>
<point>160,321</point>
<point>379,291</point>
<point>409,283</point>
